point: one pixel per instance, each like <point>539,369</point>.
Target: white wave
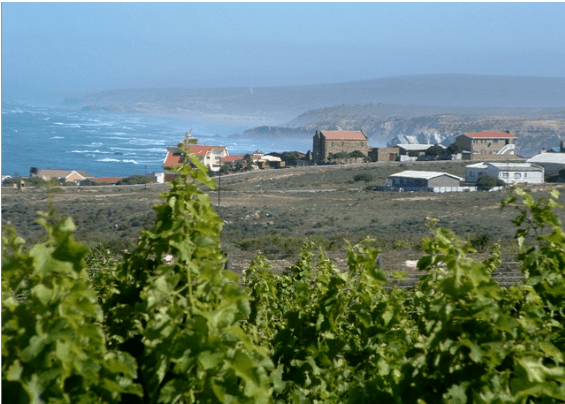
<point>89,151</point>
<point>58,123</point>
<point>146,142</point>
<point>109,160</point>
<point>96,144</point>
<point>15,130</point>
<point>57,137</point>
<point>130,161</point>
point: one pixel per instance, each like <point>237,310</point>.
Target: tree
<point>248,162</point>
<point>487,182</point>
<point>225,169</point>
<point>455,148</point>
<point>435,151</point>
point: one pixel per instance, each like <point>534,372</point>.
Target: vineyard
<point>168,324</point>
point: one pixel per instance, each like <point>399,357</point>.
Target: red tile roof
<point>344,135</point>
<point>109,180</point>
<point>490,135</point>
<point>172,161</point>
<point>201,150</point>
<point>228,159</point>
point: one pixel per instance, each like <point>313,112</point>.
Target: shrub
<point>135,179</point>
<point>88,183</point>
<point>487,182</point>
<point>364,177</point>
<point>357,154</point>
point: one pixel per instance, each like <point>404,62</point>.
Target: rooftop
<point>554,158</point>
<point>417,146</point>
<point>426,175</point>
<point>231,158</point>
<point>344,135</point>
<point>490,135</point>
<point>516,166</point>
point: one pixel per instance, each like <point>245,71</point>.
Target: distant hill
<point>276,105</point>
<point>535,128</point>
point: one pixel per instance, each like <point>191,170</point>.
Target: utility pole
<point>145,180</point>
<point>219,185</point>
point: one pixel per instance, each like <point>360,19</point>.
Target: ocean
<point>110,144</point>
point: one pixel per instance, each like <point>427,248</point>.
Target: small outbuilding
<point>422,180</point>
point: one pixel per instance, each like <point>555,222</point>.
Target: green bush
<point>487,182</point>
<point>364,177</point>
<point>135,179</point>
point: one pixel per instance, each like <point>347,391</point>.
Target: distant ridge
<point>275,105</point>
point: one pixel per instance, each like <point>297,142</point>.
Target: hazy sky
<point>83,47</point>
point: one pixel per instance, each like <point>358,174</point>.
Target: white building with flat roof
<point>511,173</point>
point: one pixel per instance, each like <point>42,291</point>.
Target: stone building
<point>384,153</point>
<point>331,142</point>
<point>488,145</point>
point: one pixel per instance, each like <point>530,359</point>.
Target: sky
<point>76,48</point>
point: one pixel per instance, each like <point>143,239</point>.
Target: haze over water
<point>108,144</point>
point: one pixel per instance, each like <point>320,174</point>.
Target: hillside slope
<point>275,105</point>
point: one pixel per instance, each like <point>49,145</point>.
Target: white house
<point>551,162</point>
<point>210,156</point>
<point>510,173</point>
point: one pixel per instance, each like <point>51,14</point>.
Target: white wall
<point>516,176</point>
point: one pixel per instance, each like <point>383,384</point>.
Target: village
<point>495,163</point>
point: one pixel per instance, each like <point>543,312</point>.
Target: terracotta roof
<point>172,161</point>
<point>489,135</point>
<point>201,150</point>
<point>175,161</point>
<point>228,159</point>
<point>109,180</point>
<point>344,135</point>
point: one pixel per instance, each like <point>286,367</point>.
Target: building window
<point>495,141</point>
<point>504,175</point>
<point>517,175</point>
<point>525,175</point>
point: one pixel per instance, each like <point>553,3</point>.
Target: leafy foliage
<point>53,345</point>
<point>169,324</point>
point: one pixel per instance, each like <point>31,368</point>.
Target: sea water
<point>108,144</point>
